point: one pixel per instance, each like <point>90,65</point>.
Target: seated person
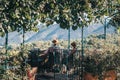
<point>33,61</point>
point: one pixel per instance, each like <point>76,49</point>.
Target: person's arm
<point>73,51</point>
<point>44,53</point>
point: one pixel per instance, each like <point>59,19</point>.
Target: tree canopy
<point>77,13</point>
<point>22,14</point>
<point>17,15</point>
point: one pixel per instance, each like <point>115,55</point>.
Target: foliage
<point>98,63</point>
<point>67,13</point>
<point>18,14</point>
<point>115,21</point>
<point>76,13</point>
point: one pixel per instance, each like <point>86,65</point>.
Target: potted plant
<point>110,64</point>
<point>92,67</point>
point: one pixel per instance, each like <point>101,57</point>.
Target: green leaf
<point>74,27</point>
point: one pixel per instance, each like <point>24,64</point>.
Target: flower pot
<point>110,75</point>
<point>90,76</point>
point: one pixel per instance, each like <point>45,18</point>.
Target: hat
<point>73,43</point>
<point>55,41</point>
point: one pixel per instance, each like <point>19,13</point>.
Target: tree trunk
<point>105,26</point>
<point>6,44</point>
<point>6,48</point>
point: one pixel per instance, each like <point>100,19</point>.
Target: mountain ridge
<point>52,31</point>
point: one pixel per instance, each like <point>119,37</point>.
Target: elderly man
<point>54,55</point>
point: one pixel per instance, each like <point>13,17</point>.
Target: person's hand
<point>29,73</point>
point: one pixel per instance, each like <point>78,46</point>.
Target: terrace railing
<point>69,65</point>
